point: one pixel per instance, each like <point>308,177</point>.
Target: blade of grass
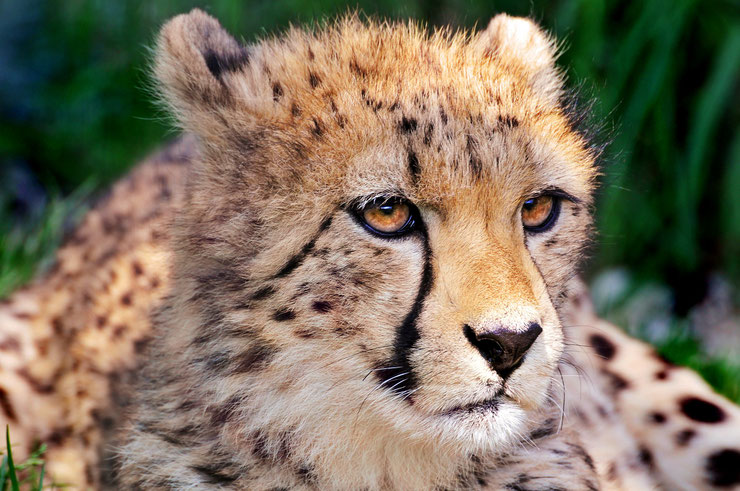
<point>710,108</point>
<point>14,486</point>
<point>3,473</point>
<point>646,92</point>
<point>730,213</point>
<point>40,485</point>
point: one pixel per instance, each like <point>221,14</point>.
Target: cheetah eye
<point>388,217</point>
<point>540,213</point>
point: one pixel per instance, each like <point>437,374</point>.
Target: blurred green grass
<point>76,112</point>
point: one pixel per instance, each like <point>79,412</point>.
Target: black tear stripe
<point>397,372</point>
<point>298,259</point>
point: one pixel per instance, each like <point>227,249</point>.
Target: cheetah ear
<point>195,58</point>
<point>519,42</point>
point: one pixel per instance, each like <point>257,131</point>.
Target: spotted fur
<point>290,347</point>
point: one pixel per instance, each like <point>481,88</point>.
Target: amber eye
<point>388,216</point>
<point>540,213</point>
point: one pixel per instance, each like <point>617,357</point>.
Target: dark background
<point>76,111</point>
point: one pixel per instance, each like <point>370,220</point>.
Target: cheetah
<point>357,269</point>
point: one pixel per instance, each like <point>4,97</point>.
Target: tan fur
<point>269,353</point>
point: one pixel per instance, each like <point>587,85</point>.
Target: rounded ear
<point>520,42</point>
<point>194,58</point>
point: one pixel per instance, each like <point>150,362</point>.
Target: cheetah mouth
<point>484,407</point>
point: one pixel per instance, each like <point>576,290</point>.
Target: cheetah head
<point>378,233</point>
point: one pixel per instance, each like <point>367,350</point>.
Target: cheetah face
<point>381,227</point>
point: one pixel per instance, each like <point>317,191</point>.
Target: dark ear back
<point>195,58</point>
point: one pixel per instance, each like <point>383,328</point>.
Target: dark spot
<point>519,484</point>
<point>223,413</point>
<point>645,456</point>
<point>611,472</point>
<point>137,269</point>
<point>394,107</point>
<point>259,445</point>
<point>298,259</point>
<point>407,125</point>
<point>333,105</point>
<point>683,437</point>
<point>277,91</point>
<point>126,298</point>
<point>10,344</point>
<point>356,69</point>
<point>225,62</point>
<point>118,331</point>
<point>661,375</point>
<point>474,161</point>
<point>443,116</point>
<point>701,410</point>
<point>581,452</point>
<point>508,121</point>
<point>313,80</point>
<point>59,435</point>
<point>414,165</point>
<point>213,473</point>
<point>57,325</point>
<point>316,129</point>
<point>264,292</point>
<point>321,306</point>
<point>616,382</point>
<point>295,110</point>
<point>323,252</point>
<point>657,418</point>
<point>283,314</point>
<point>140,345</point>
<point>551,242</point>
<point>255,358</point>
<point>215,361</point>
<point>36,384</point>
<point>548,428</point>
<point>723,468</point>
<point>6,406</point>
<point>341,120</point>
<point>575,210</point>
<point>602,346</point>
<point>100,321</point>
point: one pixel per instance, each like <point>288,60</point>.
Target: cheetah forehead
<point>402,105</point>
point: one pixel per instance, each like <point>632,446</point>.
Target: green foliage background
<point>76,112</point>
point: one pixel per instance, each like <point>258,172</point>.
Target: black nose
<point>502,348</point>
